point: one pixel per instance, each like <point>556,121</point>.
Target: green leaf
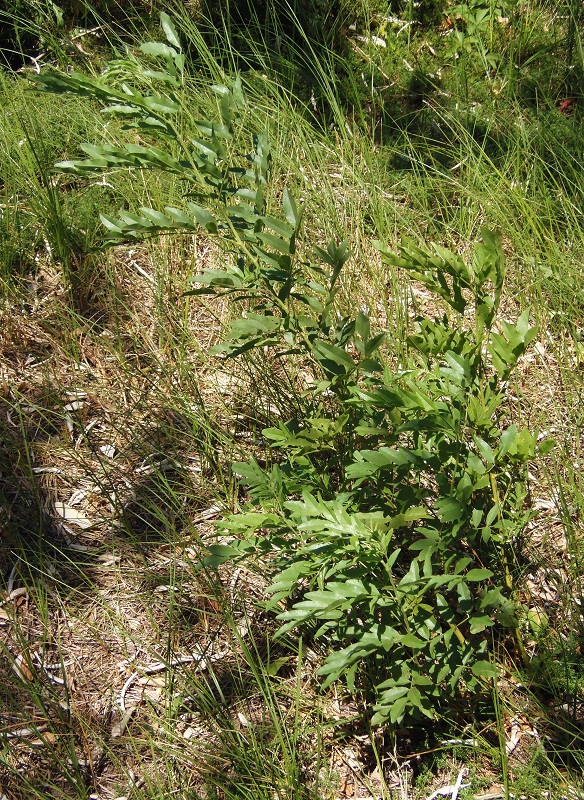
<point>157,49</point>
<point>484,669</point>
<point>275,242</point>
<point>525,444</point>
<point>475,464</point>
<point>507,440</point>
<point>505,614</point>
<point>157,75</point>
<point>169,30</point>
<point>459,367</point>
<point>449,509</point>
<point>462,564</point>
<point>203,217</point>
<point>290,209</point>
<point>415,697</point>
<point>386,456</point>
<point>485,450</point>
<point>213,129</point>
<point>179,217</point>
<point>373,344</point>
<point>243,211</point>
<point>219,278</point>
<point>333,358</point>
<point>273,667</point>
<point>478,575</point>
<point>163,105</point>
<point>394,698</point>
<point>204,148</point>
<point>440,270</point>
<point>335,255</point>
<point>110,223</point>
<point>538,621</point>
<point>396,712</point>
<point>279,227</point>
<point>546,446</point>
<point>369,366</point>
<point>409,640</point>
<point>220,554</point>
<point>157,217</point>
<point>476,517</point>
<point>479,622</point>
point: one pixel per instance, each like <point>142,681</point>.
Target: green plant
<point>473,33</point>
<point>391,519</point>
<point>391,509</point>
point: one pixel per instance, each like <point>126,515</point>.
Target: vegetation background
<point>139,655</point>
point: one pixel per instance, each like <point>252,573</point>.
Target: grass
<point>118,430</point>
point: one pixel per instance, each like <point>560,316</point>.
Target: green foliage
<point>391,513</point>
<point>473,33</point>
<point>407,494</point>
<point>388,514</point>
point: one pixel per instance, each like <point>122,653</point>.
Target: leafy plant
<point>392,515</point>
<point>473,30</point>
<point>390,511</point>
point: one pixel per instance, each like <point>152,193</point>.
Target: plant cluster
<point>391,508</point>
